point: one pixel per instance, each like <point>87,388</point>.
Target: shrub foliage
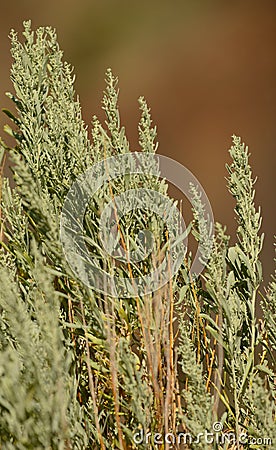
<point>83,370</point>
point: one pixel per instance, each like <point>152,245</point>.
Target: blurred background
<point>206,68</point>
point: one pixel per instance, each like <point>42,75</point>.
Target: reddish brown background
<point>207,69</point>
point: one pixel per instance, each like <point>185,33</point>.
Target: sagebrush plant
<point>84,370</point>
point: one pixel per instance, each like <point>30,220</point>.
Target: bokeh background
<point>207,69</point>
